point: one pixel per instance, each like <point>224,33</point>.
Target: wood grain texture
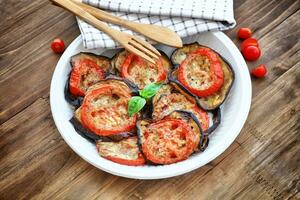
<point>35,162</point>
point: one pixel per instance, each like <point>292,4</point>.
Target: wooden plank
<point>14,10</point>
<point>34,155</point>
<point>28,63</point>
<point>288,56</point>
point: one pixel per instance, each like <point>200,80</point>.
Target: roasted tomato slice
<point>168,141</point>
<point>194,123</point>
<point>104,111</point>
<point>202,116</point>
<point>177,101</point>
<point>125,152</point>
<point>84,74</point>
<point>201,72</point>
<point>142,72</point>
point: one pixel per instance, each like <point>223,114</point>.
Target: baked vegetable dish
<point>138,113</point>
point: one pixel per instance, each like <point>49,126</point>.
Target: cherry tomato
<point>244,33</point>
<point>58,45</point>
<point>259,71</point>
<point>251,53</point>
<point>249,42</point>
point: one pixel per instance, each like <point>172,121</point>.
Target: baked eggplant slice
<point>92,137</point>
<point>193,121</point>
<point>118,60</point>
<point>76,101</point>
<point>104,109</point>
<point>180,54</point>
<point>100,60</point>
<point>87,69</point>
<point>123,83</point>
<point>139,71</point>
<point>213,101</point>
<point>171,97</point>
<point>125,152</point>
<point>166,141</point>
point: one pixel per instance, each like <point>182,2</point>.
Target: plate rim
<point>240,61</point>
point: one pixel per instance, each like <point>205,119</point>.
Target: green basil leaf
<point>135,104</point>
<point>150,90</point>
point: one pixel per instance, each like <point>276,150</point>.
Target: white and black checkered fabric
<point>185,17</point>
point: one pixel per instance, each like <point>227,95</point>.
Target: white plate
<point>234,112</point>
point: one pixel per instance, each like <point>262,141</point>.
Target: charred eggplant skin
<point>204,136</point>
<point>83,131</point>
<point>134,89</point>
<point>70,98</point>
<point>216,121</point>
<point>182,53</point>
<point>90,136</point>
<point>173,80</point>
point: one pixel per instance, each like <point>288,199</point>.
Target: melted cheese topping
<point>197,73</point>
<point>143,73</point>
<point>175,101</point>
<point>110,111</point>
<point>90,77</point>
<point>166,141</point>
<point>125,149</point>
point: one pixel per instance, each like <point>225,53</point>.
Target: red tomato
<point>58,45</point>
<point>251,53</point>
<point>202,117</point>
<point>139,161</point>
<point>141,72</point>
<point>249,42</point>
<point>84,74</point>
<point>104,118</point>
<point>259,71</point>
<point>213,80</point>
<point>168,141</point>
<point>244,33</point>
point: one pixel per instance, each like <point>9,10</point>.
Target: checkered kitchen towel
<point>185,17</point>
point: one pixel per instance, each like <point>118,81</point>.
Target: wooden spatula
<point>157,33</point>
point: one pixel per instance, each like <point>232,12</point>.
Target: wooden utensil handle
<point>102,15</point>
<point>81,13</point>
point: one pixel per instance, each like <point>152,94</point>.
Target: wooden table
<point>262,163</point>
